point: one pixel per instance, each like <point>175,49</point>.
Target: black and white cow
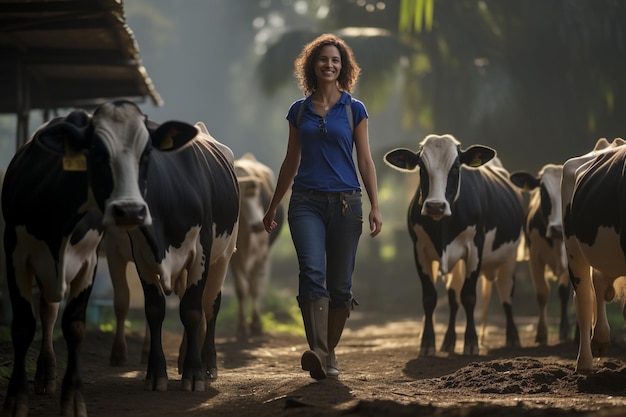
<point>594,214</point>
<point>51,239</point>
<point>174,194</point>
<point>251,263</point>
<point>119,254</point>
<point>464,210</point>
<point>544,239</point>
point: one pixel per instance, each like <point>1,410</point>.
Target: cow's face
<point>118,164</point>
<point>251,208</point>
<point>122,143</point>
<point>255,192</point>
<point>439,160</point>
<point>547,185</point>
<point>550,196</point>
<point>440,175</point>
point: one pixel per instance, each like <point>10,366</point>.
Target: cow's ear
<point>65,135</point>
<point>524,180</point>
<point>402,159</point>
<point>172,135</point>
<point>151,125</point>
<point>477,155</point>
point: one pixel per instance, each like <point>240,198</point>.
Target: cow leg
<point>601,339</point>
<point>156,375</point>
<point>45,375</point>
<point>468,300</point>
<point>542,293</point>
<point>22,333</point>
<point>191,317</point>
<point>454,283</point>
<point>209,352</point>
<point>121,302</point>
<point>257,286</point>
<point>505,283</point>
<point>145,348</point>
<point>241,291</point>
<point>564,296</point>
<point>449,341</point>
<point>73,326</point>
<point>585,301</point>
<point>211,302</point>
<point>429,301</point>
<point>487,287</point>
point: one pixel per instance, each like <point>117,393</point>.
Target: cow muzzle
<point>129,215</point>
<point>435,209</point>
<point>555,232</point>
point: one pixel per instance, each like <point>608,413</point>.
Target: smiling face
<point>328,64</point>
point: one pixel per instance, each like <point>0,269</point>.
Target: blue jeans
<point>325,229</point>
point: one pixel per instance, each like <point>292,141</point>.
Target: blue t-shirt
<point>326,162</point>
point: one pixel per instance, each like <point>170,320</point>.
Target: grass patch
<point>279,314</point>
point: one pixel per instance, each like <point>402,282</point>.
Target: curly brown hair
<point>304,65</point>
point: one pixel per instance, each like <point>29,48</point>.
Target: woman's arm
<point>367,169</point>
<point>287,172</point>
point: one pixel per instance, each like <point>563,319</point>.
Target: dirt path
<point>381,376</point>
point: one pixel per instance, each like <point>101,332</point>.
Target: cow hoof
<point>211,374</point>
<point>118,358</point>
<point>256,328</point>
<point>119,352</point>
<point>427,351</point>
<point>584,371</point>
<point>156,384</point>
<point>541,337</point>
<point>45,386</point>
<point>74,405</point>
<point>45,380</point>
<point>193,384</point>
<point>17,407</point>
<point>513,343</point>
<point>600,349</point>
<point>117,361</point>
<point>471,350</point>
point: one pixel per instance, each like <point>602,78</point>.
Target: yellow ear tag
<point>475,163</point>
<point>167,143</point>
<point>73,161</point>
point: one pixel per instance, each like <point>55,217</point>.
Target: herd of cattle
<point>174,201</point>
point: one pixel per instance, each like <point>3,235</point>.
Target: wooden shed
<point>67,53</point>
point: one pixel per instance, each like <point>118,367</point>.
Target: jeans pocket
<point>355,206</point>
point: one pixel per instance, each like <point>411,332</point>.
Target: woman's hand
<point>376,222</point>
<point>268,220</point>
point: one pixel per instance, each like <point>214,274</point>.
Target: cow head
<point>439,160</point>
<point>119,157</point>
<point>255,191</point>
<point>548,184</point>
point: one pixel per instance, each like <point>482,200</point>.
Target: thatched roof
<point>68,53</point>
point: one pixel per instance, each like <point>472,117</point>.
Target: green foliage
<point>416,15</point>
<point>282,314</point>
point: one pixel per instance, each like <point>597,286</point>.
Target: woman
<point>325,209</point>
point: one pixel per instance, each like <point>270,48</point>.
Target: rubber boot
<point>336,322</point>
<point>315,317</point>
